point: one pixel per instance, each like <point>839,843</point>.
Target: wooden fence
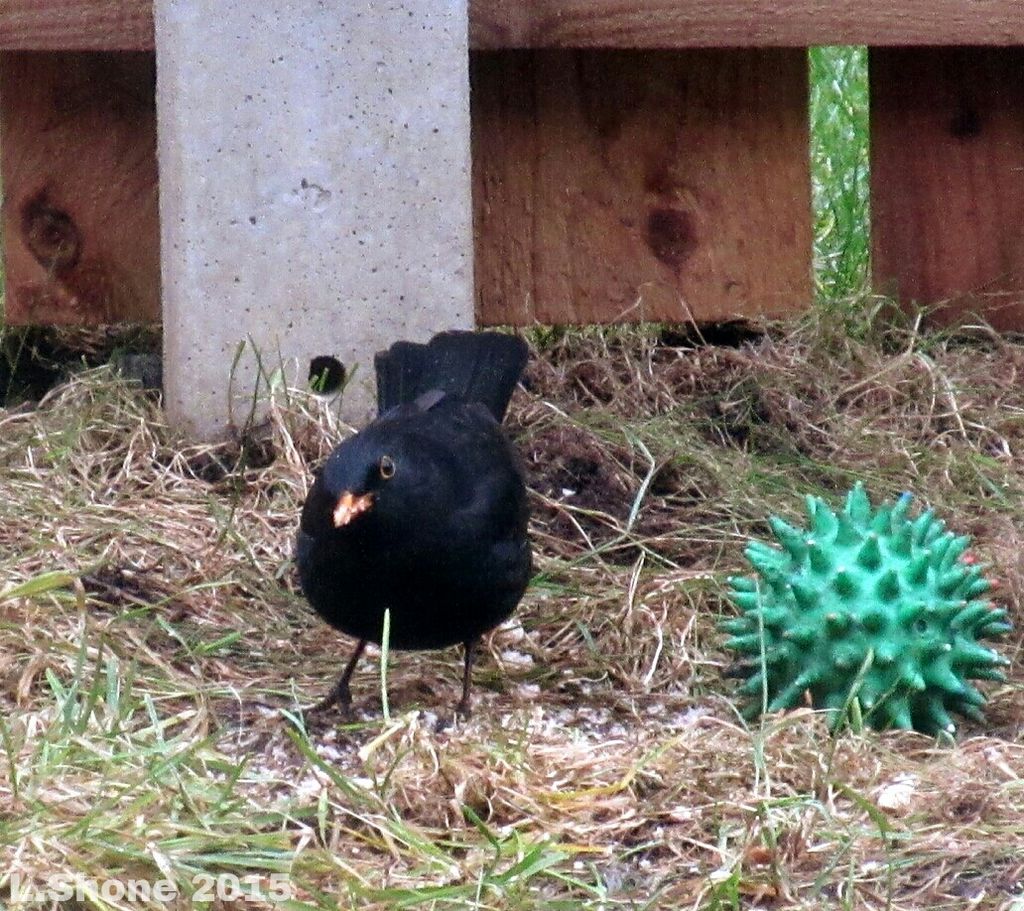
<point>625,166</point>
<point>632,159</point>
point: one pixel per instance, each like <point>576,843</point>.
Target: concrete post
<point>314,189</point>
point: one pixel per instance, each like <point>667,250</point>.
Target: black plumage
<point>424,512</point>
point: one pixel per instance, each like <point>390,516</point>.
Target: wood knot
<point>671,236</point>
<point>966,123</point>
<point>50,235</point>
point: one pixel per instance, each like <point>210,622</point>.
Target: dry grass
<point>154,654</point>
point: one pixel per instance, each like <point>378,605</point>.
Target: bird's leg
<point>340,692</point>
<point>462,710</point>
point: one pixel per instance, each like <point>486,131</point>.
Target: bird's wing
<point>495,502</point>
<point>429,399</point>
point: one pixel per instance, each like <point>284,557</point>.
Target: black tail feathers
<point>474,366</point>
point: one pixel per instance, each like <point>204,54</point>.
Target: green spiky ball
<point>869,606</point>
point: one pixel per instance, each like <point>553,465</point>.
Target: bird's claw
<point>336,698</point>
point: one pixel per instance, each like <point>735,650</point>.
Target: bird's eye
<point>387,467</point>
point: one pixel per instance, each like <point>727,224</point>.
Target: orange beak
<point>349,506</point>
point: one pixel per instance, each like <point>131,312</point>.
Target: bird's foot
<point>337,698</point>
<point>444,722</point>
<point>340,694</point>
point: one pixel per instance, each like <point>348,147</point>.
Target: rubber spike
<point>901,543</point>
<point>801,636</point>
<point>950,581</point>
<point>875,621</point>
<point>888,587</point>
<point>938,716</point>
<point>838,623</point>
<point>970,711</point>
<point>967,618</point>
<point>950,556</point>
<point>805,596</point>
<point>902,507</point>
<point>966,652</point>
<point>869,694</point>
<point>912,680</point>
<point>761,556</point>
<point>958,546</point>
<point>917,569</point>
<point>847,532</point>
<point>899,713</point>
<point>753,686</point>
<point>845,585</point>
<point>886,654</point>
<point>934,648</point>
<point>996,614</point>
<point>882,522</point>
<point>938,549</point>
<point>774,618</point>
<point>943,678</point>
<point>737,627</point>
<point>742,583</point>
<point>791,540</point>
<point>909,614</point>
<point>921,525</point>
<point>847,657</point>
<point>751,642</point>
<point>811,506</point>
<point>820,561</point>
<point>824,525</point>
<point>870,554</point>
<point>971,695</point>
<point>994,629</point>
<point>978,587</point>
<point>985,673</point>
<point>790,696</point>
<point>858,506</point>
<point>745,601</point>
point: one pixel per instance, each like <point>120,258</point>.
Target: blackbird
<point>424,512</point>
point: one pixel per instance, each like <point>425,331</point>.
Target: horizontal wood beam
<point>494,24</point>
<point>742,23</point>
<point>76,25</point>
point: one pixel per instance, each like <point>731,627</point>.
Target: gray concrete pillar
<point>314,189</point>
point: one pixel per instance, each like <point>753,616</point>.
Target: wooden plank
<point>76,25</point>
<point>741,23</point>
<point>78,168</point>
<point>947,137</point>
<point>616,186</point>
<point>127,24</point>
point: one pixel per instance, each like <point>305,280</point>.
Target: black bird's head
<point>382,474</point>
